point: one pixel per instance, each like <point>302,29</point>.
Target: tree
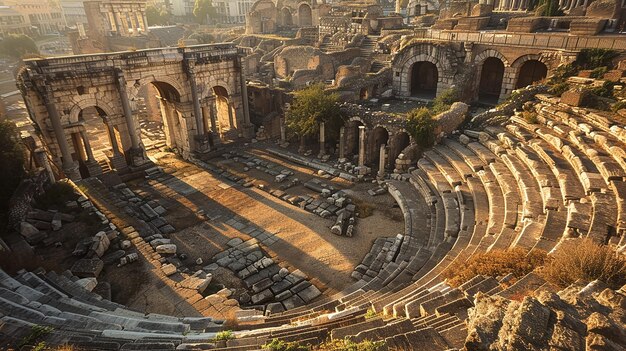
<point>157,16</point>
<point>18,45</point>
<point>11,163</point>
<point>203,10</point>
<point>421,126</point>
<point>312,105</point>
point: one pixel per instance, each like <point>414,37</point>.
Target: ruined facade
<point>201,92</point>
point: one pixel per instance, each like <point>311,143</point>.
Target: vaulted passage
<point>530,72</point>
<point>424,77</point>
<point>491,80</point>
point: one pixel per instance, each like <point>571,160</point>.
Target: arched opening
<point>94,142</point>
<point>363,94</point>
<point>400,141</point>
<point>222,116</point>
<point>157,107</point>
<point>424,78</point>
<point>352,138</point>
<point>287,20</point>
<point>531,71</point>
<point>304,15</point>
<point>491,76</point>
<point>379,137</point>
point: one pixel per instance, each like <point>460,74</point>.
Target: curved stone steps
<point>604,213</point>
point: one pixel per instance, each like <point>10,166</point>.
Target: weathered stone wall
<point>64,87</point>
<point>453,62</point>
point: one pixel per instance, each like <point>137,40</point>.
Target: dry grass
<point>494,263</point>
<point>583,259</point>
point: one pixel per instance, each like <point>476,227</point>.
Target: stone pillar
<point>283,132</point>
<point>381,161</point>
<point>83,135</point>
<point>322,140</point>
<point>114,145</point>
<point>118,161</point>
<point>145,23</point>
<point>248,129</point>
<point>203,143</point>
<point>118,23</point>
<point>92,165</point>
<point>69,166</point>
<point>342,145</point>
<point>361,146</point>
<point>128,114</point>
<point>194,97</point>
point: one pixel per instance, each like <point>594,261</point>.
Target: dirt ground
<point>305,241</point>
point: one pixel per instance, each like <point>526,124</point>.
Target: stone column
<point>128,115</point>
<point>69,166</point>
<point>361,146</point>
<point>322,140</point>
<point>92,165</point>
<point>194,96</point>
<point>381,161</point>
<point>145,23</point>
<point>83,135</point>
<point>342,145</point>
<point>283,136</point>
<point>248,129</point>
<point>114,145</point>
<point>118,24</point>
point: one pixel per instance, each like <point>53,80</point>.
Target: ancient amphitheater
<point>216,231</point>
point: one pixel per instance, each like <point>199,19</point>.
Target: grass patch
<point>224,335</point>
<point>349,345</point>
<point>37,332</point>
<point>279,345</point>
<point>583,259</point>
<point>363,208</point>
<point>494,263</point>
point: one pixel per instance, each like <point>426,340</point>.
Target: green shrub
<point>224,335</point>
<point>421,126</point>
<point>36,333</point>
<point>562,72</point>
<point>595,58</point>
<point>348,345</point>
<point>279,345</point>
<point>618,106</point>
<point>494,263</point>
<point>370,313</point>
<point>530,117</point>
<point>605,90</point>
<point>598,72</point>
<point>559,88</point>
<point>583,259</point>
<point>56,196</point>
<point>442,102</point>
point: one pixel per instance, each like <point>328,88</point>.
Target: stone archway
<point>398,143</point>
<point>379,136</point>
<point>305,16</point>
<point>223,117</point>
<point>169,101</point>
<point>352,136</point>
<point>531,71</point>
<point>424,79</point>
<point>491,77</point>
